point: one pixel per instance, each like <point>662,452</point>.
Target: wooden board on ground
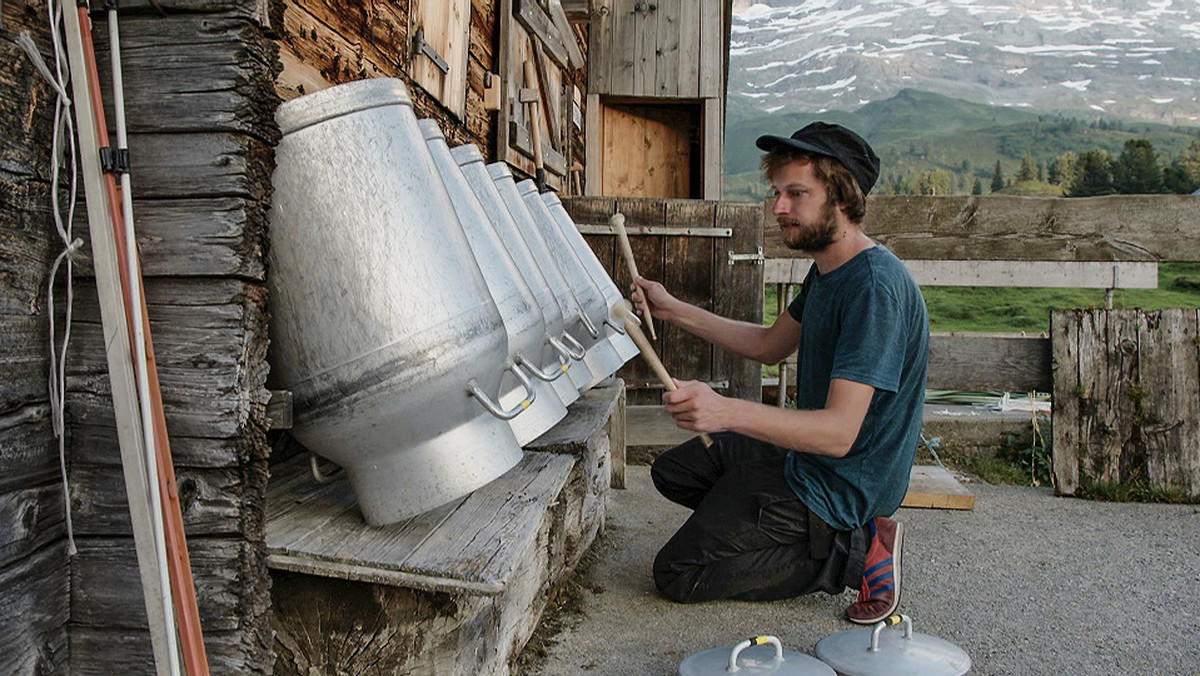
<point>935,488</point>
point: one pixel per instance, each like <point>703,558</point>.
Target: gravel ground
<point>1027,583</point>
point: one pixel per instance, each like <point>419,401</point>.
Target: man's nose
<point>780,207</point>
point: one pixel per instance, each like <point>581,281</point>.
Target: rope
<point>932,445</point>
<point>63,126</point>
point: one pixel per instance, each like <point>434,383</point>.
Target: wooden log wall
<point>1126,399</point>
<point>34,569</point>
<point>199,86</point>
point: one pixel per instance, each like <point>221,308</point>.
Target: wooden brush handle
<point>618,224</point>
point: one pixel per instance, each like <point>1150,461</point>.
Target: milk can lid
<point>753,657</point>
<point>340,100</point>
<point>868,652</point>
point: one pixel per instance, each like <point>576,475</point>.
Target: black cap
<point>832,140</point>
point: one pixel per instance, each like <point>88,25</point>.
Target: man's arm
<point>766,344</point>
<point>828,431</point>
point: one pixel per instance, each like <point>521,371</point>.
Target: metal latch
<point>421,46</point>
<point>755,258</point>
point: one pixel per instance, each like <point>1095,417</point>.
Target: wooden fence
<point>1127,399</point>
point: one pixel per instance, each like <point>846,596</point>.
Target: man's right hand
<point>650,294</point>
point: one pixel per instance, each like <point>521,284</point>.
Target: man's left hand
<point>696,407</point>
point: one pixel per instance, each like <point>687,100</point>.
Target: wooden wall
<point>34,572</point>
<point>199,85</point>
<point>327,43</point>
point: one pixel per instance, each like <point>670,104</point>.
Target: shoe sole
<point>897,552</point>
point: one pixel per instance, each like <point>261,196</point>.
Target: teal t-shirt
<point>864,321</point>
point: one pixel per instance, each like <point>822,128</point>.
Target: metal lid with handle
<point>751,657</point>
<point>867,652</point>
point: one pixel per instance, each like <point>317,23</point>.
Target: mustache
<point>787,221</point>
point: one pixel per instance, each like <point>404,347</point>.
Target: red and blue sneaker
<point>879,595</point>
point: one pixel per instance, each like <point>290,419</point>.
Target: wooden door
<point>706,253</point>
<point>650,151</point>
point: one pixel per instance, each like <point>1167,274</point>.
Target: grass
<point>1017,309</point>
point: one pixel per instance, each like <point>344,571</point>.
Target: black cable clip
<point>114,161</point>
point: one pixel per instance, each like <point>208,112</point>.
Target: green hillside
<point>916,132</point>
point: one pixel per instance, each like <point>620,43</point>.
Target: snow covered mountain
<point>1113,58</point>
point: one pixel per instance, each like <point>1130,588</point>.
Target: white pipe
<point>140,359</point>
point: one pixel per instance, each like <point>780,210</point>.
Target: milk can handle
<point>588,325</point>
<point>538,372</point>
<point>526,402</point>
<point>619,328</point>
<point>576,348</point>
<point>757,640</point>
<point>890,622</point>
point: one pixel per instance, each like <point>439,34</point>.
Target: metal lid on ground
<point>758,655</point>
<point>871,652</point>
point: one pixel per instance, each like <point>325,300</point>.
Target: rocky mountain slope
<point>1112,58</point>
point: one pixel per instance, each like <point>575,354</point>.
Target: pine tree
<point>1027,172</point>
<point>1182,175</point>
<point>997,178</point>
<point>1136,171</point>
<point>1041,174</point>
<point>1093,175</point>
<point>977,189</point>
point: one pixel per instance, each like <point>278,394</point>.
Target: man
<point>787,502</point>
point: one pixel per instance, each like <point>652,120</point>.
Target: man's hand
<point>696,407</point>
<point>649,294</point>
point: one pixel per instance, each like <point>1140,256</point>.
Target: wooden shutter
<point>440,37</point>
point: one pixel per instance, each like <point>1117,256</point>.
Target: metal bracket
<point>755,258</point>
<point>421,46</point>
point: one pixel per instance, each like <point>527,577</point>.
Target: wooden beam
<point>989,227</point>
<point>542,27</point>
<point>1056,274</point>
<point>933,487</point>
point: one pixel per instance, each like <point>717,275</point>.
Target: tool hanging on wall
<point>145,449</point>
<point>535,131</point>
<point>618,225</point>
<point>624,312</point>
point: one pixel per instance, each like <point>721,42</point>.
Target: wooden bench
<point>458,589</point>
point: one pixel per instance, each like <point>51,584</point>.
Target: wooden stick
<point>625,312</point>
<point>618,224</point>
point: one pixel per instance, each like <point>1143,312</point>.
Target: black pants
<point>749,536</point>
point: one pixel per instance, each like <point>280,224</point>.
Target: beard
<point>811,236</point>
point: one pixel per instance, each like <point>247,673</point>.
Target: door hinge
<point>421,46</point>
<point>755,258</point>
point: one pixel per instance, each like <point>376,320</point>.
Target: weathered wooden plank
<point>738,294</point>
<point>1169,369</point>
<point>1117,227</point>
<point>541,27</point>
<point>688,53</point>
<point>1068,399</point>
<point>668,56</point>
<point>218,237</point>
<point>600,54</point>
<point>166,166</point>
<point>34,611</point>
<point>228,64</point>
<point>106,591</point>
<point>467,545</point>
<point>103,651</point>
<point>1055,274</point>
<point>933,487</point>
<point>714,143</point>
<point>214,502</point>
<point>27,448</point>
<point>1125,393</point>
<point>617,441</point>
<point>30,518</point>
<point>1011,363</point>
<point>100,443</point>
<point>688,271</point>
<point>330,43</point>
<point>622,55</point>
<point>645,46</point>
<point>25,356</point>
<point>210,343</point>
<point>713,47</point>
